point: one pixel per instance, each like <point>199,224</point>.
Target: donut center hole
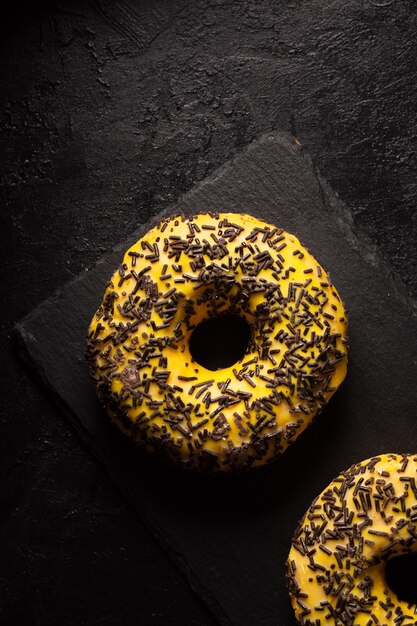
<point>401,575</point>
<point>220,342</point>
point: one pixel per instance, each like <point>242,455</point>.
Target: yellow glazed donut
<point>336,566</point>
<point>190,269</point>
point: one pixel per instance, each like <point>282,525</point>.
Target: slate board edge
<point>167,542</point>
<point>333,205</point>
<point>359,239</point>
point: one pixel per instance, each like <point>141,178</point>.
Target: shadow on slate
<point>230,535</point>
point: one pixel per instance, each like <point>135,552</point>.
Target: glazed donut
<point>189,269</point>
<point>336,565</point>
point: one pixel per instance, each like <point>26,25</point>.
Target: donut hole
<point>220,342</point>
<point>401,574</point>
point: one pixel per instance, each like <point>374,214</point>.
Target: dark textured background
<point>109,111</point>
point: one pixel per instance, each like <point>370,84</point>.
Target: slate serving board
<point>230,535</point>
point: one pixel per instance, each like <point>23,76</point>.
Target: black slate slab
<point>230,535</point>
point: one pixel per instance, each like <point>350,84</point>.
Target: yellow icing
<point>375,496</point>
<point>238,437</point>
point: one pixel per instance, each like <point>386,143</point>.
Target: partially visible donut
<point>336,565</point>
<point>188,269</point>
